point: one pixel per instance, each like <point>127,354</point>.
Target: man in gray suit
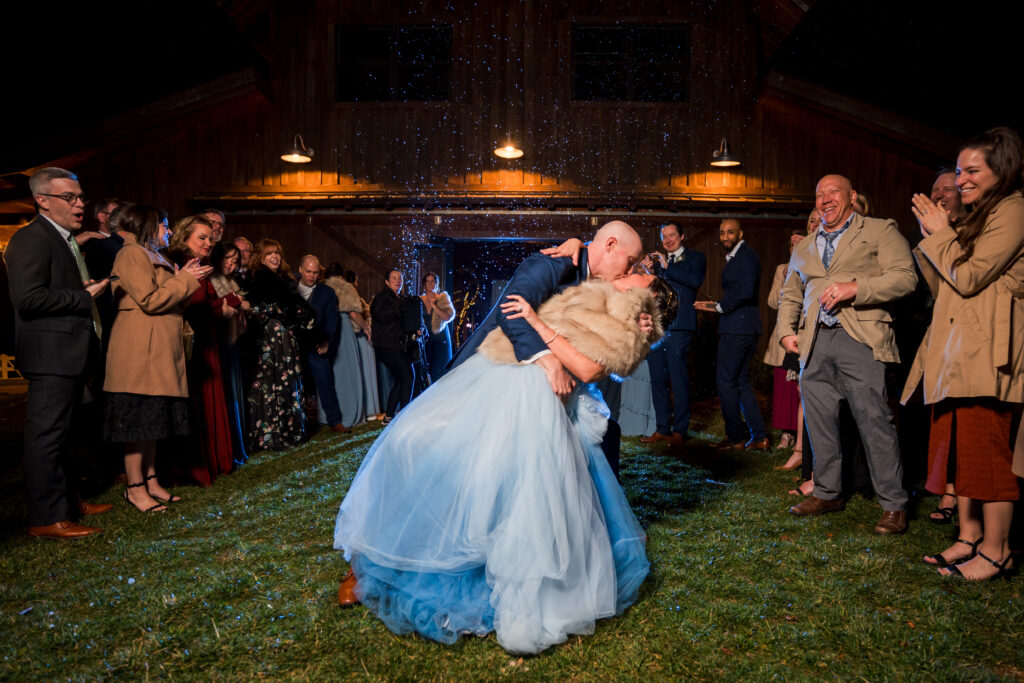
<point>832,312</point>
<point>56,331</point>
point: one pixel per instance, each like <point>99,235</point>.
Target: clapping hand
<point>96,287</point>
<point>197,271</point>
<point>930,216</point>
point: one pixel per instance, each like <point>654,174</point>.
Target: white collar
<point>64,232</point>
<point>728,257</point>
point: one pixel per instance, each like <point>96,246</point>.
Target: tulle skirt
<point>487,505</point>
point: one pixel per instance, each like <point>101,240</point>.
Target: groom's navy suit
<point>537,279</point>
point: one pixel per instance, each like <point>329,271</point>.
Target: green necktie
<point>83,270</point>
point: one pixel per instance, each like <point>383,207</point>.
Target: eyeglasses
<point>69,197</point>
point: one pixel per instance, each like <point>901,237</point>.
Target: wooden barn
<point>618,109</point>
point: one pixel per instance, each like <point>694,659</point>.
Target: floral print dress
<point>274,391</point>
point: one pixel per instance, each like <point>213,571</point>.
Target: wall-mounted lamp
<point>508,151</point>
<point>299,153</point>
<point>721,156</point>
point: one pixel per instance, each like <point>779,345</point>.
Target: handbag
<point>188,339</point>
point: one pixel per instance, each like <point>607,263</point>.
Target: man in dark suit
<point>100,247</point>
<point>684,269</point>
<point>319,355</point>
<point>389,337</point>
<point>56,330</point>
<point>738,329</point>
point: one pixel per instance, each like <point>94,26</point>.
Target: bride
<point>499,512</point>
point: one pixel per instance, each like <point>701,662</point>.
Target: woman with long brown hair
<point>970,365</point>
<point>147,393</point>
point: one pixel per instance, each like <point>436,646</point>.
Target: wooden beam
<point>366,257</point>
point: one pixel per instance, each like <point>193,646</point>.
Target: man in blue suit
<point>684,269</point>
<point>327,330</point>
<point>611,255</point>
<point>738,329</point>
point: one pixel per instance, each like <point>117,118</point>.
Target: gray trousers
<point>840,367</point>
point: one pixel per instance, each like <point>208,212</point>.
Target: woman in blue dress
<point>487,505</point>
<point>440,312</point>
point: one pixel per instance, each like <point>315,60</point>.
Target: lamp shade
<point>508,151</point>
<point>298,153</point>
<point>721,156</point>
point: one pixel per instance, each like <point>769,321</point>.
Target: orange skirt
<point>969,444</point>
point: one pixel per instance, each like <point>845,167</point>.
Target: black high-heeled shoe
<point>1003,568</point>
<point>944,515</point>
<point>172,499</point>
<point>159,507</point>
<point>941,561</point>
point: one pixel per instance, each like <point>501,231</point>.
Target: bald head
<point>613,251</point>
<point>309,270</point>
<point>834,198</point>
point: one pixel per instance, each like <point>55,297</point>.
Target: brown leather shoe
<point>87,508</point>
<point>340,428</point>
<point>65,529</point>
<point>759,445</point>
<point>655,438</point>
<point>676,440</point>
<point>347,590</point>
<point>727,445</point>
<point>812,506</point>
<point>892,522</point>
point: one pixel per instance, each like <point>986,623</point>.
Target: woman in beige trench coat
<point>145,379</point>
<point>970,366</point>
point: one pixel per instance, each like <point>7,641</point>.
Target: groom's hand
<point>560,381</point>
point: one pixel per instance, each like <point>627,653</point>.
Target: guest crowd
<point>216,344</point>
<point>208,349</point>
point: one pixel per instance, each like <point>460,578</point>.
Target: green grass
<point>239,581</point>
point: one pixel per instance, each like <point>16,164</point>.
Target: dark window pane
<point>393,63</point>
<point>631,62</point>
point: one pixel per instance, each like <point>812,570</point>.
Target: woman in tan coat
<point>970,366</point>
<point>441,311</point>
<point>145,378</point>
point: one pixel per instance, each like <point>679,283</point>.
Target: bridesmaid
<point>367,358</point>
<point>348,369</point>
<point>440,310</point>
<point>192,239</point>
<point>225,259</point>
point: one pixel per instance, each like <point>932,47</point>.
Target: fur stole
<point>348,297</point>
<point>597,319</point>
<point>443,313</point>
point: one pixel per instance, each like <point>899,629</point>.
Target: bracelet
<point>552,339</point>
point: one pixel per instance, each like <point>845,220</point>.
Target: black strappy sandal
<point>945,515</point>
<point>172,499</point>
<point>159,507</point>
<point>941,561</point>
<point>1003,569</point>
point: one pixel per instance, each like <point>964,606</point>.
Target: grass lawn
<point>239,581</point>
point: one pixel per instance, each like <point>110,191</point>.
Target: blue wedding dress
<point>487,505</point>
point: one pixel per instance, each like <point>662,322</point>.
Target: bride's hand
<point>569,248</point>
<point>646,323</point>
<point>518,307</point>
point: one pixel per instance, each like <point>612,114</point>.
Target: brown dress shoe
<point>87,508</point>
<point>892,522</point>
<point>347,590</point>
<point>759,445</point>
<point>812,506</point>
<point>655,438</point>
<point>727,445</point>
<point>340,428</point>
<point>65,529</point>
<point>677,440</point>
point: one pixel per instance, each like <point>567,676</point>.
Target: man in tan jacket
<point>833,314</point>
